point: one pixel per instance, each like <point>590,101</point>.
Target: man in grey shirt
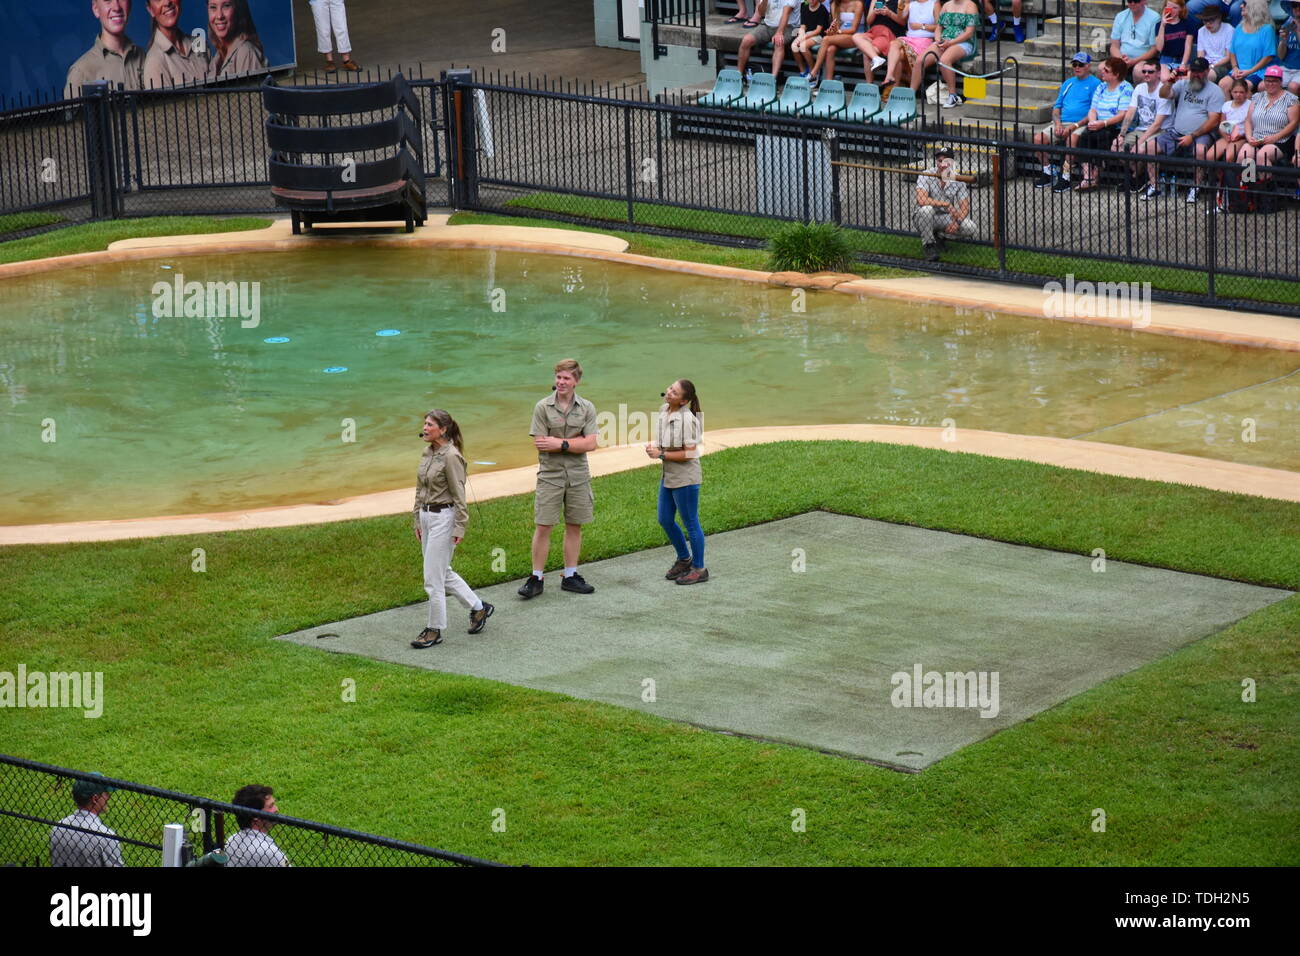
<point>1197,112</point>
<point>942,205</point>
<point>71,844</point>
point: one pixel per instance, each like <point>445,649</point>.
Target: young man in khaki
<point>563,430</point>
<point>113,58</point>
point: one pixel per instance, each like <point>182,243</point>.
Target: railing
<point>688,13</point>
<point>35,798</point>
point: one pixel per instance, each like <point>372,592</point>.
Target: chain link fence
<point>40,819</point>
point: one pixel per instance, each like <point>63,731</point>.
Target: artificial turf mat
<point>807,620</point>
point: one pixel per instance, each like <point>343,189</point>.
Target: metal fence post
<point>1210,245</point>
<point>464,191</point>
<point>99,150</point>
<point>627,163</point>
<point>999,212</point>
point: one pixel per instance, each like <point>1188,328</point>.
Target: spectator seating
<point>864,104</point>
<point>727,89</point>
<point>760,95</point>
<point>332,161</point>
<point>828,103</point>
<point>796,95</point>
<point>900,109</point>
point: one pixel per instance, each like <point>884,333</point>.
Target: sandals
<point>1086,186</point>
<point>736,20</point>
<point>750,24</point>
<point>423,641</point>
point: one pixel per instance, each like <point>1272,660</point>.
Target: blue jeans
<point>686,502</point>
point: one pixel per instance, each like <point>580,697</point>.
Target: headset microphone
<point>552,388</point>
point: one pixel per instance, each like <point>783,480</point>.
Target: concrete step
<point>1030,113</point>
<point>1090,28</point>
<point>1040,69</point>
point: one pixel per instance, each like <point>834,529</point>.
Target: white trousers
<point>331,13</point>
<point>439,579</point>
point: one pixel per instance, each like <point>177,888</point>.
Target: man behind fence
<point>252,845</point>
<point>73,847</point>
<point>942,206</point>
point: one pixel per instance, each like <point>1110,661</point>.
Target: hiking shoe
<point>1044,180</point>
<point>576,584</point>
<point>1150,193</point>
<point>531,587</point>
<point>1191,195</point>
<point>1062,185</point>
<point>680,567</point>
<point>694,576</point>
<point>930,251</point>
<point>428,637</point>
<point>478,619</point>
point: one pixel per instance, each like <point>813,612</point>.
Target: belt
<point>433,507</point>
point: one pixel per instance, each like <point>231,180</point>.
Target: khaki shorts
<point>574,503</point>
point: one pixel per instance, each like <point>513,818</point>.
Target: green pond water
<point>156,415</point>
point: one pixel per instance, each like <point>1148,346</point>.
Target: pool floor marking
<point>1100,457</point>
<point>1174,408</point>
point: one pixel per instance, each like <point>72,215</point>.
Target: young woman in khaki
<point>680,433</point>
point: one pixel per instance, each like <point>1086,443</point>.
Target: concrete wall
<point>606,17</point>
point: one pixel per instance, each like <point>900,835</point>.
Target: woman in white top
<point>906,52</point>
<point>677,447</point>
<point>846,17</point>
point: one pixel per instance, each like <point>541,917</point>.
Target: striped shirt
<point>1269,120</point>
<point>1109,103</point>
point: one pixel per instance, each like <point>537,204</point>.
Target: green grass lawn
<point>869,243</point>
<point>199,698</point>
<point>97,235</point>
<point>21,221</point>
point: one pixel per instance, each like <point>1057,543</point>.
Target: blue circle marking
<point>276,340</point>
<point>388,332</point>
<point>335,369</point>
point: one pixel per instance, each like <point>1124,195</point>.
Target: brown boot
<point>680,567</point>
<point>694,576</point>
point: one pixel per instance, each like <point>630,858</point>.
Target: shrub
<point>810,247</point>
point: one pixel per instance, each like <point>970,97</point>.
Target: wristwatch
<point>662,453</point>
<point>564,445</point>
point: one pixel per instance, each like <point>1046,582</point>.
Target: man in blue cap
<point>81,838</point>
<point>1069,112</point>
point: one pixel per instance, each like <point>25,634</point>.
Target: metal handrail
<point>683,12</point>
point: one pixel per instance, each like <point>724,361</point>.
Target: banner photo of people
<point>60,45</point>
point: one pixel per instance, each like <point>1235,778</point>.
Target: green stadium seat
<point>727,89</point>
<point>900,109</point>
<point>864,104</point>
<point>760,95</point>
<point>828,103</point>
<point>795,96</point>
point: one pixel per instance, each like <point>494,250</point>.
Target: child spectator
<point>1214,40</point>
<point>814,18</point>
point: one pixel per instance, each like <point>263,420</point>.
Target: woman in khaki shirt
<point>440,518</point>
<point>236,49</point>
<point>171,59</point>
<point>679,488</point>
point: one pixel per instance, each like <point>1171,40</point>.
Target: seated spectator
<point>814,18</point>
<point>906,52</point>
<point>1232,134</point>
<point>942,206</point>
<point>1197,113</point>
<point>1109,102</point>
<point>75,847</point>
<point>1174,35</point>
<point>1288,47</point>
<point>995,26</point>
<point>252,845</point>
<point>1133,36</point>
<point>1069,112</point>
<point>1214,39</point>
<point>1146,113</point>
<point>886,20</point>
<point>846,17</point>
<point>780,20</point>
<point>959,23</point>
<point>1254,45</point>
<point>1271,123</point>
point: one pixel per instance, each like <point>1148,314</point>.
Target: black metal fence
<point>540,147</point>
<point>36,799</point>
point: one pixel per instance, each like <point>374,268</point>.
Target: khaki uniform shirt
<point>242,57</point>
<point>100,64</point>
<point>441,481</point>
<point>677,430</point>
<point>165,65</point>
<point>561,467</point>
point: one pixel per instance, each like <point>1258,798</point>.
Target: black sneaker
<point>531,587</point>
<point>1062,185</point>
<point>1043,181</point>
<point>930,251</point>
<point>575,584</point>
<point>477,619</point>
